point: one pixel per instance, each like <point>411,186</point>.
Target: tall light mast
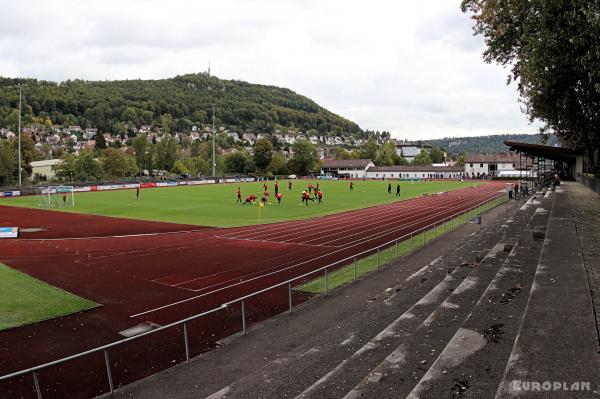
<point>214,133</point>
<point>19,135</point>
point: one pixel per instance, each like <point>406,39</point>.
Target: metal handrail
<point>225,305</point>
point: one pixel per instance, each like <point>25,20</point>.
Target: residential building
<point>90,133</point>
<point>249,137</point>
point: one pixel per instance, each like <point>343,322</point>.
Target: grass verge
<point>369,264</point>
<point>26,300</point>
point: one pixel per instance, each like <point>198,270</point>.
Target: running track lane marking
<point>239,283</point>
<point>339,221</point>
<point>275,242</point>
<point>408,223</point>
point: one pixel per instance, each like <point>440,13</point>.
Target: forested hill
<point>173,104</point>
<point>492,143</point>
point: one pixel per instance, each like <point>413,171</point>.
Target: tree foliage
<point>173,104</point>
<point>553,52</point>
<point>238,162</point>
<point>8,164</point>
<point>263,153</point>
<point>305,157</point>
<point>278,165</point>
<point>422,158</point>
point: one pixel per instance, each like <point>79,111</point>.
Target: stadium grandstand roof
<point>345,163</point>
<point>543,151</point>
<point>502,157</point>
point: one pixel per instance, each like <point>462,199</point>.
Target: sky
<point>411,68</point>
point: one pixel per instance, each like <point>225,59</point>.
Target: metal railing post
<point>377,258</point>
<point>243,318</point>
<point>187,342</point>
<point>424,232</point>
<point>444,231</point>
<point>290,296</point>
<point>38,391</point>
<point>412,242</point>
<point>434,231</point>
<point>396,248</point>
<point>326,288</point>
<point>108,372</point>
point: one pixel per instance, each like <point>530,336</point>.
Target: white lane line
<point>355,242</point>
<point>252,279</point>
<point>276,242</point>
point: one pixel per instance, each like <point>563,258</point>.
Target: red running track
<point>162,278</point>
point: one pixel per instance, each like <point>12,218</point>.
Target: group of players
<point>312,193</point>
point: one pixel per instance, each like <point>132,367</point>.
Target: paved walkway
<point>500,311</point>
<point>585,205</point>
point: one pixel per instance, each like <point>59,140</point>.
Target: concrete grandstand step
<point>473,362</point>
<point>396,374</point>
<point>402,330</point>
<point>555,353</point>
<point>301,366</point>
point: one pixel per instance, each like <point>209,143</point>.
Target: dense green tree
<point>28,153</point>
<point>422,158</point>
<point>86,167</point>
<point>180,168</point>
<point>305,157</point>
<point>553,52</point>
<point>197,166</point>
<point>436,155</point>
<point>166,151</point>
<point>278,165</point>
<point>143,153</point>
<point>130,115</point>
<point>115,164</point>
<point>239,163</point>
<point>8,163</point>
<point>369,149</point>
<point>385,155</point>
<point>100,141</point>
<point>263,153</point>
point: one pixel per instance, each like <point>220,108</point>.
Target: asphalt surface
<point>500,311</point>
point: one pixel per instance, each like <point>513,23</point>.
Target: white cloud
<point>411,68</point>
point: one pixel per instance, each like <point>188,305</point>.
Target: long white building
<point>415,172</point>
<point>495,164</point>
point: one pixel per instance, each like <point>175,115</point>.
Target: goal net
<point>55,196</point>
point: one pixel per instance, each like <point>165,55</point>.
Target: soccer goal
<point>56,196</point>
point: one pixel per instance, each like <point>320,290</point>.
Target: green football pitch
<point>25,300</point>
<point>215,204</point>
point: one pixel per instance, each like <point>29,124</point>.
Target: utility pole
<point>19,135</point>
<point>214,133</point>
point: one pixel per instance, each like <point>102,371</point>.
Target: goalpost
<point>56,196</point>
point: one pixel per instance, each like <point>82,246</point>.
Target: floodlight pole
<point>19,135</point>
<point>214,132</point>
